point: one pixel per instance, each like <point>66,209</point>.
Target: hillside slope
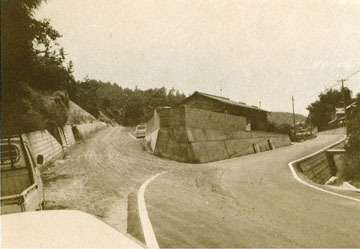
<point>77,115</point>
<point>285,118</point>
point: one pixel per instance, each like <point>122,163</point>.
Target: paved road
<point>251,201</point>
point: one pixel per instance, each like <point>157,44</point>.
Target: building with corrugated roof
<point>255,116</point>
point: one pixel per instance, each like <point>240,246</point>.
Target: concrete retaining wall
<point>88,128</point>
<point>192,135</point>
<point>197,118</point>
<point>69,135</point>
<point>201,145</point>
<point>152,130</point>
<point>319,167</point>
<point>43,143</point>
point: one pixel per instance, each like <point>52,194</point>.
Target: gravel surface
<point>98,174</point>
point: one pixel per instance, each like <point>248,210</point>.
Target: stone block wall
<point>197,118</point>
<point>69,135</point>
<point>191,135</point>
<point>201,145</point>
<point>43,143</point>
<point>319,167</point>
<point>171,117</point>
<point>152,130</point>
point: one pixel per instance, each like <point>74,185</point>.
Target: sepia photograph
<point>180,124</point>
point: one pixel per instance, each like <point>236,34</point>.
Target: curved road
<point>251,201</point>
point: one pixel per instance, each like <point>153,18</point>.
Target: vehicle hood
<point>60,229</point>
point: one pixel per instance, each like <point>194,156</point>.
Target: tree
<point>353,142</point>
<point>322,109</point>
<point>30,63</point>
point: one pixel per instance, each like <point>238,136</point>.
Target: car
<point>21,184</point>
<point>140,131</point>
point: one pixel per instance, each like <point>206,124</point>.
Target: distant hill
<point>285,118</point>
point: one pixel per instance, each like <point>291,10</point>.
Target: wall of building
<point>188,134</point>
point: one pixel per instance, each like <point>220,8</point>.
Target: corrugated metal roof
<point>226,101</point>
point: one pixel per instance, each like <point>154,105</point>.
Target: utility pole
<point>343,93</point>
<point>292,97</point>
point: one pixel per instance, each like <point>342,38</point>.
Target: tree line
<point>37,82</point>
<point>126,106</point>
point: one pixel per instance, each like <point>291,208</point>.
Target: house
<point>256,118</point>
<point>338,116</point>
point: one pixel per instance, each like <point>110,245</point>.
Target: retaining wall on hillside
<point>192,135</point>
<point>88,128</point>
<point>319,167</point>
<point>44,143</point>
<point>69,135</point>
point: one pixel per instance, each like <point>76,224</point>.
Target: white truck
<point>21,184</point>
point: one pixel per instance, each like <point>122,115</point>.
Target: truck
<point>21,183</point>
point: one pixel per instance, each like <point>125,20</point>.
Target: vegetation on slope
<point>352,169</point>
<point>36,81</point>
<point>33,71</point>
<point>320,114</point>
<point>126,106</point>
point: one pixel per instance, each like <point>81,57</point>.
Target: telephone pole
<point>343,94</point>
<point>292,97</point>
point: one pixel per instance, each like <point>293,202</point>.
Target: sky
<point>254,50</point>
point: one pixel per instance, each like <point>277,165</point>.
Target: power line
<point>338,82</point>
<point>353,74</point>
<point>317,93</point>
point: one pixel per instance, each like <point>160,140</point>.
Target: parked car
<point>140,130</point>
<point>21,184</point>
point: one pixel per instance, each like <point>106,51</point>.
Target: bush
<point>26,110</point>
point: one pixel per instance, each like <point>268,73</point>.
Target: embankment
<point>319,167</point>
<point>192,135</point>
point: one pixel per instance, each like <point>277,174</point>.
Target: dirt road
<point>98,174</point>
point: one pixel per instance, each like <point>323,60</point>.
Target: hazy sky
<point>258,50</point>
